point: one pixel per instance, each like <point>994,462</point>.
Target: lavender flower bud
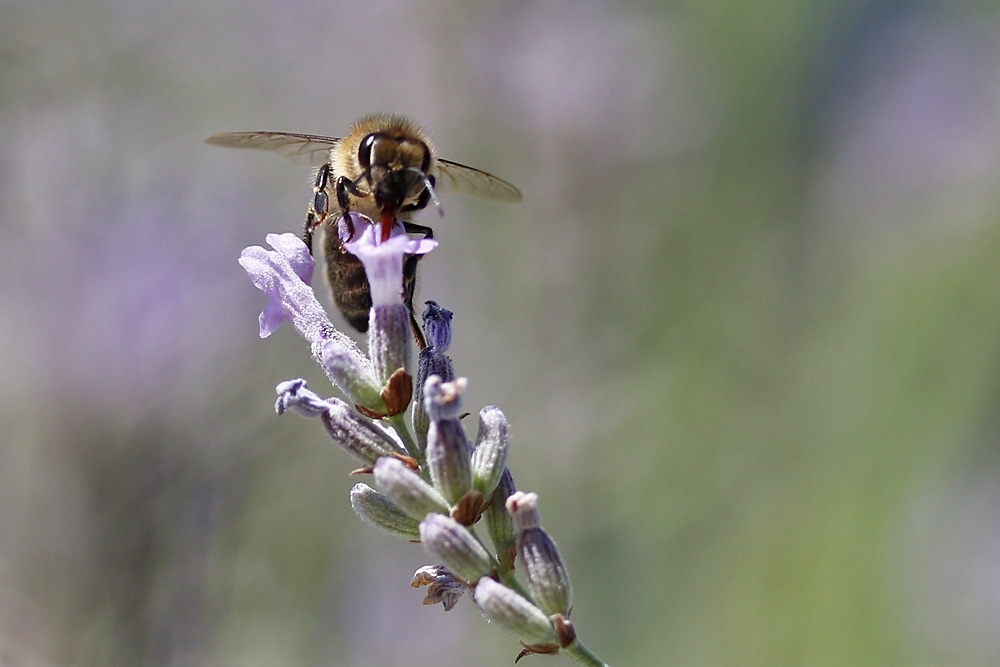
<point>548,581</point>
<point>448,459</point>
<point>489,458</point>
<point>457,548</point>
<point>378,510</point>
<point>430,362</point>
<point>295,396</point>
<point>407,489</point>
<point>437,327</point>
<point>357,434</point>
<point>513,614</point>
<point>442,586</point>
<point>447,449</point>
<point>354,375</point>
<point>499,523</point>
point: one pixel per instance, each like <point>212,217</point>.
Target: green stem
<point>398,423</point>
<point>582,655</point>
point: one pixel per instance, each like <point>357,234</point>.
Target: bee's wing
<point>303,149</point>
<point>454,177</point>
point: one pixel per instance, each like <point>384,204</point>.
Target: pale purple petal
<point>295,251</point>
<point>279,274</point>
<point>383,262</point>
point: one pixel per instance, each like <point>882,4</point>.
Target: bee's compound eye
<point>365,151</point>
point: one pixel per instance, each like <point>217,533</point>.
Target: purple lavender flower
<point>284,274</point>
<point>383,261</point>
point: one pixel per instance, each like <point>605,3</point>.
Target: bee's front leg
<point>346,186</point>
<point>319,209</point>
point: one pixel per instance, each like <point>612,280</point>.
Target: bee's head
<point>396,168</point>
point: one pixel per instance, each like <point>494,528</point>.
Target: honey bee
<point>385,168</point>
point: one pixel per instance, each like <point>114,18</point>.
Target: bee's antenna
<point>429,184</point>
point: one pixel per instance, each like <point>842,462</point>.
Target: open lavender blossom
<point>383,261</point>
<point>274,272</point>
<point>284,274</point>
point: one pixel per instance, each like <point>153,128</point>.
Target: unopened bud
<point>430,362</point>
<point>378,510</point>
<point>407,489</point>
<point>448,459</point>
<point>548,581</point>
<point>354,375</point>
<point>437,327</point>
<point>357,434</point>
<point>499,523</point>
<point>489,459</point>
<point>513,614</point>
<point>457,548</point>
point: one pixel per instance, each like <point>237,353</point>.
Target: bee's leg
<point>346,186</point>
<point>410,280</point>
<point>307,229</point>
<point>320,207</point>
<point>418,334</point>
<point>410,287</point>
<point>321,200</point>
<point>414,228</point>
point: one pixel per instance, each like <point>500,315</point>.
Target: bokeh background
<point>745,326</point>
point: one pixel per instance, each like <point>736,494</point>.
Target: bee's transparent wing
<point>303,149</point>
<point>454,177</point>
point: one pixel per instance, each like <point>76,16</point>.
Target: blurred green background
<point>745,326</point>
